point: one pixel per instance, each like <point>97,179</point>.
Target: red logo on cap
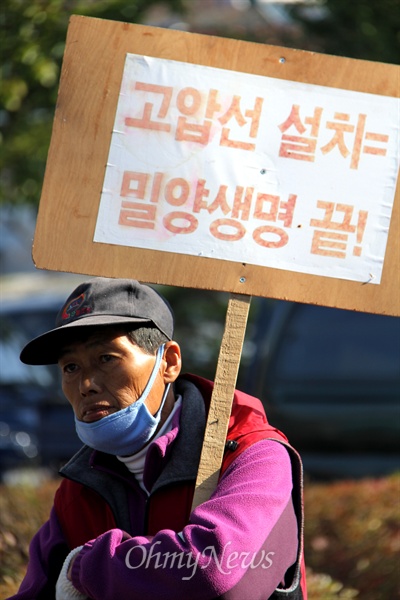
<point>75,308</point>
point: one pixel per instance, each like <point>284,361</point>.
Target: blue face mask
<point>128,430</point>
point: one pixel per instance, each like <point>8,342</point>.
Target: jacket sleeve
<point>47,552</point>
<point>237,545</point>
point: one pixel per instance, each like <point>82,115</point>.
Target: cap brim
<point>46,348</point>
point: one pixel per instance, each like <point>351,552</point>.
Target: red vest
<point>83,514</point>
<point>247,425</point>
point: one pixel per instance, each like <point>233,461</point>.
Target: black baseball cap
<point>97,302</point>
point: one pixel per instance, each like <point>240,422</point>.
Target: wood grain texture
<point>89,87</point>
<point>221,400</point>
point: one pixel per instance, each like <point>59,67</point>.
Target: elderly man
<point>121,526</point>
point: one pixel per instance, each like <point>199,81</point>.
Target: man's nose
<point>89,383</point>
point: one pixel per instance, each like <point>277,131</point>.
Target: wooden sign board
<point>97,56</point>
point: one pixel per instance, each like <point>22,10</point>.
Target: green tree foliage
<point>32,45</point>
<point>358,29</point>
<point>32,42</point>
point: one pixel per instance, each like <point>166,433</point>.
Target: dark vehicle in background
<point>330,379</point>
<point>36,421</point>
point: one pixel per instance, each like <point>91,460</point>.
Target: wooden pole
<point>222,397</point>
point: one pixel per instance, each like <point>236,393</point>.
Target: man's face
<point>105,373</point>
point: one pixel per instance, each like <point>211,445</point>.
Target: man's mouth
<point>96,412</point>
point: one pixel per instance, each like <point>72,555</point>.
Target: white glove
<point>64,588</point>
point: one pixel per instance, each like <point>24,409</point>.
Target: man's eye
<point>69,368</point>
<point>105,358</point>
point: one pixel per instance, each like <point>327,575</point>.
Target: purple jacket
<point>238,545</point>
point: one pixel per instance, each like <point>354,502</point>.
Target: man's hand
<point>64,588</point>
<point>69,573</point>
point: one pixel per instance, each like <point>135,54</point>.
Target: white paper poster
<point>251,169</point>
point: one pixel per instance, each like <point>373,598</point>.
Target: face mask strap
<point>153,375</point>
<point>127,430</point>
<point>163,399</point>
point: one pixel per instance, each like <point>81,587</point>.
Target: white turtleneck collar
<point>135,462</point>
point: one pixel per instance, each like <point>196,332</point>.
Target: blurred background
<point>336,396</point>
<point>339,406</point>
